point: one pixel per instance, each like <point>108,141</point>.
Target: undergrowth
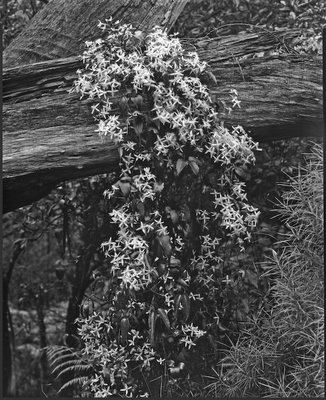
<point>281,354</point>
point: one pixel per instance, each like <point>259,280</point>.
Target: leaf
<point>123,105</point>
<point>181,163</point>
<point>162,314</point>
<point>161,269</point>
<point>151,326</point>
<point>63,361</point>
<point>195,160</point>
<point>194,167</point>
<point>177,301</point>
<point>154,274</point>
<point>221,327</point>
<point>182,282</point>
<point>158,187</point>
<point>275,257</point>
<point>168,286</point>
<point>80,380</point>
<point>174,371</point>
<point>77,366</point>
<point>245,305</point>
<point>146,261</point>
<point>62,364</point>
<point>165,244</point>
<point>212,77</point>
<point>141,208</point>
<point>139,126</point>
<point>152,128</point>
<point>137,100</point>
<point>55,352</point>
<point>241,317</point>
<point>175,262</point>
<point>173,215</point>
<point>185,306</point>
<point>252,278</point>
<point>157,123</point>
<point>125,185</point>
<point>124,329</point>
<point>242,173</point>
<point>84,310</point>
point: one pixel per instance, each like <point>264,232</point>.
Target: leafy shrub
<point>282,353</point>
<point>209,17</point>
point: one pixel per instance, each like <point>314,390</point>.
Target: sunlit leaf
<point>164,241</point>
<point>185,306</point>
<point>180,165</point>
<point>124,329</point>
<point>151,325</point>
<point>164,317</point>
<point>194,167</point>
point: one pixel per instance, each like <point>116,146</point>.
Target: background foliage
<point>57,240</point>
<point>281,352</point>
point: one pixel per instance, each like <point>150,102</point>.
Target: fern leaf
<point>54,352</point>
<point>75,381</point>
<point>74,368</point>
<point>66,364</point>
<point>61,359</point>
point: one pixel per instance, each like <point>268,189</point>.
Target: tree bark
<point>61,28</point>
<point>49,135</point>
<point>9,374</point>
<point>39,299</point>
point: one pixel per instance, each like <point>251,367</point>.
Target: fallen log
<point>61,28</point>
<point>49,134</point>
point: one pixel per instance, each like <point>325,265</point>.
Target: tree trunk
<point>49,135</point>
<point>39,304</point>
<point>9,374</point>
<point>61,28</point>
<point>8,369</point>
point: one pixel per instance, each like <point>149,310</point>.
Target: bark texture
<point>61,28</point>
<point>49,135</point>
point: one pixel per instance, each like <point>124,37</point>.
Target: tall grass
<point>281,354</point>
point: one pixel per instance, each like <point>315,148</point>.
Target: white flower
<point>181,123</point>
<point>187,342</point>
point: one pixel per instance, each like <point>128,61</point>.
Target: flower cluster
<point>166,246</point>
<point>110,359</point>
<point>190,333</point>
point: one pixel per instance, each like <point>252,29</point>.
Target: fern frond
<point>75,368</point>
<point>64,360</point>
<point>75,381</point>
<point>67,363</point>
<point>61,359</point>
<point>54,352</point>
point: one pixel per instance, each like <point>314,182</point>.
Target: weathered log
<point>49,135</point>
<point>61,28</point>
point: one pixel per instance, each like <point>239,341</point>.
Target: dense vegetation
<point>55,266</point>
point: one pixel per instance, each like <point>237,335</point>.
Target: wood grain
<point>49,134</point>
<point>61,28</point>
